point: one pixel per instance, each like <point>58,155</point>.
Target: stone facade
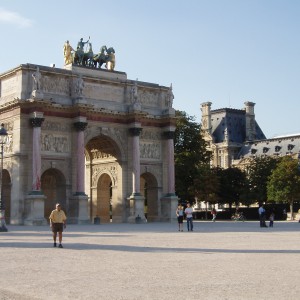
<point>235,138</point>
<point>226,130</point>
<point>93,140</point>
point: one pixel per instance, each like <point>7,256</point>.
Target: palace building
<point>92,139</point>
<point>235,138</point>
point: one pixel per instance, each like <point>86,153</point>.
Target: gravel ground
<point>221,260</point>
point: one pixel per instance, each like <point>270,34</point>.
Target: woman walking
<point>179,214</point>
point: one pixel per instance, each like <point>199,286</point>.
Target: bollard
<point>138,219</point>
<point>96,220</point>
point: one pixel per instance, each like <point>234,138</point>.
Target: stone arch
<point>103,207</point>
<point>54,188</point>
<point>103,165</point>
<point>6,194</point>
<point>117,136</point>
<point>62,167</point>
<point>149,189</point>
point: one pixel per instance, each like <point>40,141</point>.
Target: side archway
<point>54,188</point>
<point>6,194</point>
<point>149,190</point>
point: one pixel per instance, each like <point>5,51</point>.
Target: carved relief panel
<point>55,137</point>
<point>56,85</point>
<point>110,169</point>
<point>150,144</point>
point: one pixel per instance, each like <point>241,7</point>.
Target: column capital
<point>169,135</point>
<point>36,122</point>
<point>80,126</point>
<point>135,131</point>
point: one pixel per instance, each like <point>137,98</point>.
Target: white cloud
<point>14,18</point>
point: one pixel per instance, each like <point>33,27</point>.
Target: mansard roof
<point>231,123</point>
<point>279,146</point>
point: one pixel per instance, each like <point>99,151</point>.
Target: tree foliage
<point>207,184</point>
<point>190,154</point>
<point>258,173</point>
<point>233,185</point>
<point>284,182</point>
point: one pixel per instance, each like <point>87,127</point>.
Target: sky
<point>223,51</point>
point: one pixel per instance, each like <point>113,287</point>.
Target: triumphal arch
<point>89,138</point>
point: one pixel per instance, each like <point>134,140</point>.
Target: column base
<point>169,205</point>
<point>78,209</point>
<point>35,209</point>
<point>35,222</point>
<point>136,209</point>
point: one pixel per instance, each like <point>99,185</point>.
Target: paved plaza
<point>222,260</point>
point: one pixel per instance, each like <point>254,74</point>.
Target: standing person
<point>179,214</point>
<point>189,217</point>
<point>214,214</point>
<point>271,218</point>
<point>262,216</point>
<point>284,214</point>
<point>58,224</point>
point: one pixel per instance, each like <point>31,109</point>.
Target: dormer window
<point>253,151</point>
<point>265,149</point>
<point>277,148</point>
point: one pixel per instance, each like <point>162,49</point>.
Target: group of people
<point>58,220</point>
<point>188,211</point>
<point>262,217</point>
<point>180,212</point>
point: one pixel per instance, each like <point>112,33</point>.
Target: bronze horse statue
<point>105,56</point>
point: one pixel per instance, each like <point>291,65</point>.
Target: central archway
<point>103,169</point>
<point>104,198</point>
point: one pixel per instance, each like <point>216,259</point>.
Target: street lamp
<point>3,140</point>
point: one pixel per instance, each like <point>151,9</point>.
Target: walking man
<point>189,217</point>
<point>58,224</point>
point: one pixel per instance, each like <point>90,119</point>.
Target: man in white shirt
<point>189,217</point>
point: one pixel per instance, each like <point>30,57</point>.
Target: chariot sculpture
<point>87,58</point>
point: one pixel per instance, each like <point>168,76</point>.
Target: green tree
<point>190,154</point>
<point>233,185</point>
<point>284,182</point>
<point>258,173</point>
<point>206,185</point>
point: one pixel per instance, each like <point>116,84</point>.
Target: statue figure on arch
<point>68,57</point>
<point>37,76</point>
<point>170,97</point>
<point>79,53</point>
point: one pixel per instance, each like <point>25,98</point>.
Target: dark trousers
<point>189,223</point>
<point>262,221</point>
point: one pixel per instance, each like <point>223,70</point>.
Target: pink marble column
<point>36,153</point>
<point>136,160</point>
<point>80,127</point>
<point>171,166</point>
